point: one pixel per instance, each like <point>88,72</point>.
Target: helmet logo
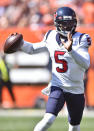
<point>55,15</point>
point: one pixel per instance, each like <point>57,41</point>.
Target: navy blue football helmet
<point>65,20</point>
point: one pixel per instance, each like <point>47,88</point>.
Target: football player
<point>68,50</point>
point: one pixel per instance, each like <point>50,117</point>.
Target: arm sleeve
<point>32,48</point>
<point>81,56</point>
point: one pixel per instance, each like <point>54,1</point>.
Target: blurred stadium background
<point>30,74</point>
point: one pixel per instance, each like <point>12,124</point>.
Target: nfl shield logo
<point>55,15</point>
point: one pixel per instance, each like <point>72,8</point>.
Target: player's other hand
<point>68,44</point>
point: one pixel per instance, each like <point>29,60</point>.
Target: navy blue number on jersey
<point>61,61</point>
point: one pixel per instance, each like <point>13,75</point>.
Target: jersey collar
<point>59,40</point>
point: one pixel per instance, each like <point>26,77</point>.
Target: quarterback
<point>68,50</point>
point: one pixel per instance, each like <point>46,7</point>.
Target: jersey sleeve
<point>81,55</point>
<point>85,41</point>
<point>32,48</point>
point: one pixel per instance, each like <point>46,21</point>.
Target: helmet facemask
<point>65,26</point>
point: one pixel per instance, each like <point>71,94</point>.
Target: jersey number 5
<point>61,61</point>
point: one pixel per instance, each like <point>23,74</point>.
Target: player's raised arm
<point>15,42</point>
<point>32,48</point>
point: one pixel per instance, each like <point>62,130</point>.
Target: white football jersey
<point>67,67</point>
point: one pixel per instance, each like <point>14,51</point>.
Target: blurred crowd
<point>39,13</point>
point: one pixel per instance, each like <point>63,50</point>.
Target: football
<point>13,43</point>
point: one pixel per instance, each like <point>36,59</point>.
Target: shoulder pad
<point>85,40</point>
<point>81,37</point>
<point>46,35</point>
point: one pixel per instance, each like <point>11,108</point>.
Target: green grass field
<point>28,123</point>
